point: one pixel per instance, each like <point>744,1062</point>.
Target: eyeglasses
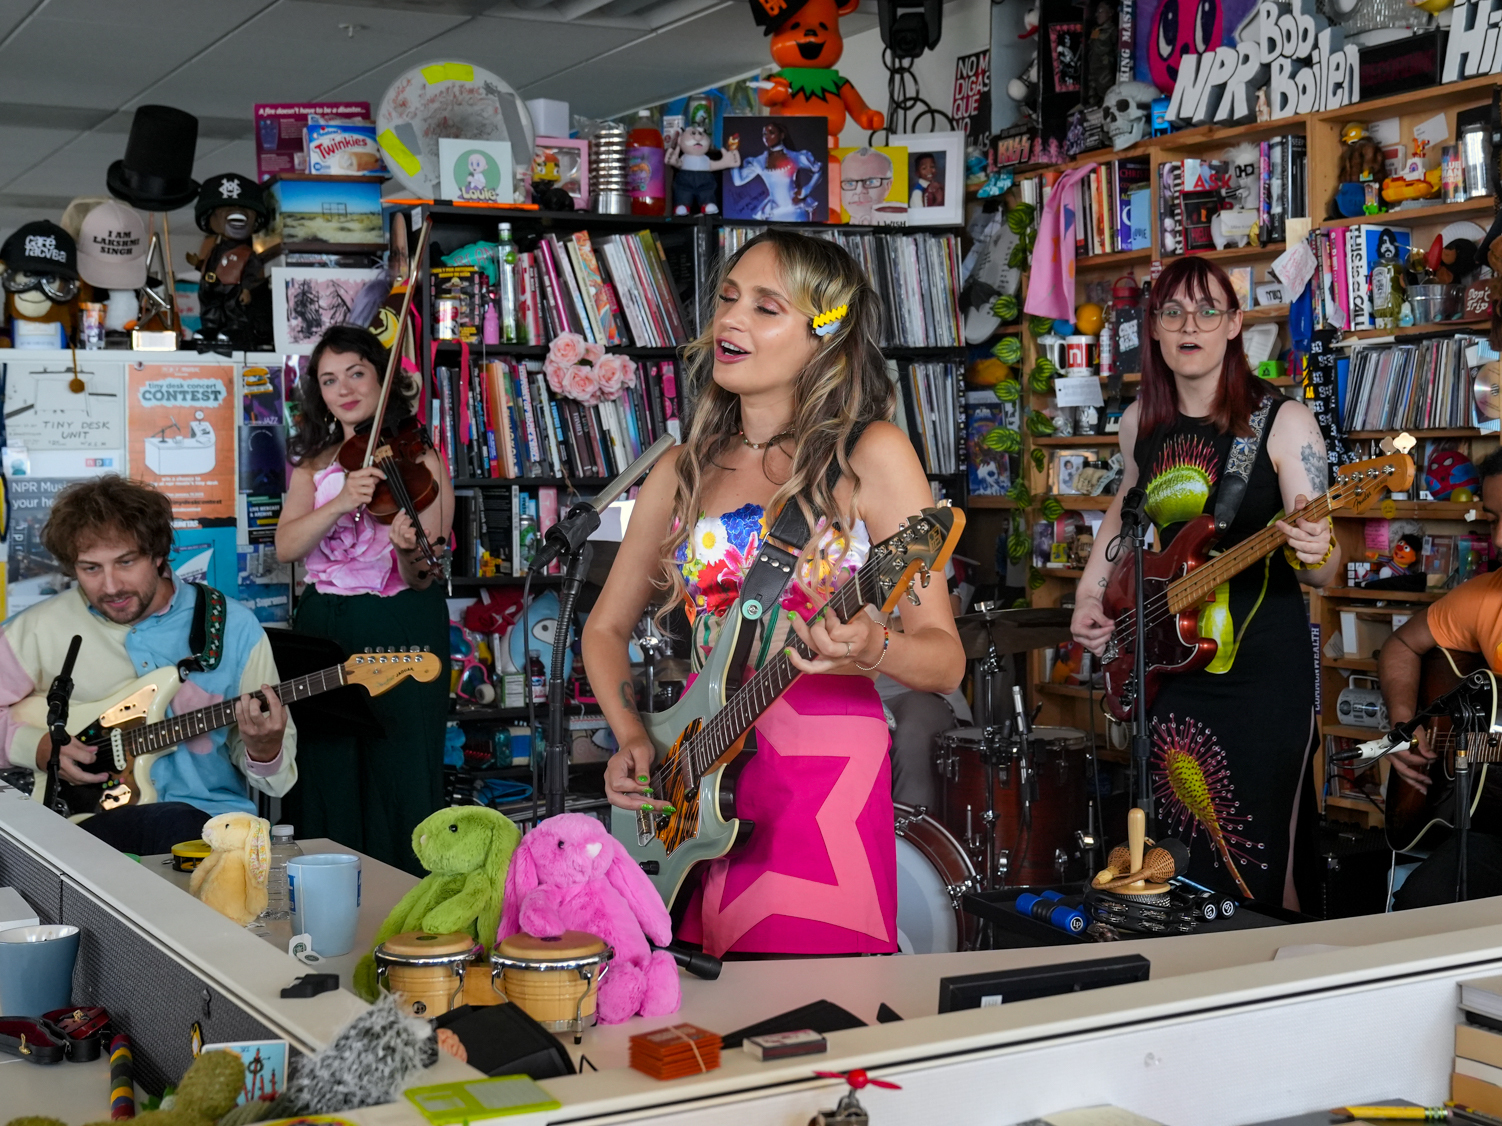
<point>869,182</point>
<point>1206,317</point>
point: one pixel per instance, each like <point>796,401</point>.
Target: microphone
<point>1131,506</point>
<point>57,725</point>
<point>695,962</point>
<point>569,534</point>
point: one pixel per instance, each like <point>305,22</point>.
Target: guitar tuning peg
<point>912,596</point>
<point>368,649</point>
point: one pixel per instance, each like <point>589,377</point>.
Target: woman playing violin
<point>369,585</point>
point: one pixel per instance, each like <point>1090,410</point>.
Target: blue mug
<point>324,889</point>
<point>36,969</point>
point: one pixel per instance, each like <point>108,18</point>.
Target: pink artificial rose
<point>567,348</point>
<point>555,373</point>
<point>580,383</point>
<point>593,352</point>
<point>609,375</point>
<point>628,371</point>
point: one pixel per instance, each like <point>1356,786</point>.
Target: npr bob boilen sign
<point>1305,64</point>
<point>1472,48</point>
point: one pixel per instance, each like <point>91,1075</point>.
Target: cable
<point>903,99</point>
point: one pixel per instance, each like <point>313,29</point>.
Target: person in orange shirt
<point>1468,620</point>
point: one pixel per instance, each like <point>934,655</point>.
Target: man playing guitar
<point>113,536</point>
<point>1466,620</point>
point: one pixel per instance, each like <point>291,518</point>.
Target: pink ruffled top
<point>354,556</point>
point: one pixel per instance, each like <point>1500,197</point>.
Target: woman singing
<point>1253,706</point>
<point>368,586</point>
<point>777,406</point>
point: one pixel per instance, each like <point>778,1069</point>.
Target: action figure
<point>233,295</point>
<point>695,185</point>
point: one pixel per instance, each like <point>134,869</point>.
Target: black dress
<point>1231,742</point>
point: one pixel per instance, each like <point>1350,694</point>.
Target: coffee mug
<point>325,892</point>
<point>36,969</point>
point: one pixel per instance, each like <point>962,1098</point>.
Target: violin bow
<point>413,269</point>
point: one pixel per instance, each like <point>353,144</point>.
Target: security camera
<point>910,27</point>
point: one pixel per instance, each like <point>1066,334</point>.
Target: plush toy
<point>695,185</point>
<point>368,1062</point>
<point>569,873</point>
<point>466,851</point>
<point>233,295</point>
<point>1449,470</point>
<point>208,1090</point>
<point>232,878</point>
<point>41,286</point>
<point>806,43</point>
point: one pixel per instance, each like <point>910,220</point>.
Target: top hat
<point>157,172</point>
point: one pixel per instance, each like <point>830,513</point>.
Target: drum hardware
<point>1060,862</point>
<point>533,975</point>
<point>1087,844</point>
<point>426,970</point>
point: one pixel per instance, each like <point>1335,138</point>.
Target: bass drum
<point>932,872</point>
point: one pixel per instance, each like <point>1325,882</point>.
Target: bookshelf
<point>1072,706</point>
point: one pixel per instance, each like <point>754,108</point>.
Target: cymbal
<point>1013,631</point>
<point>671,670</point>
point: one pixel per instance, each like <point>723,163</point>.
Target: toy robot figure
<point>695,185</point>
<point>233,294</point>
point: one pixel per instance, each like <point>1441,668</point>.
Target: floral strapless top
<point>717,555</point>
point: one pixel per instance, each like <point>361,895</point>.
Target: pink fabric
<point>15,685</point>
<point>819,874</point>
<point>190,697</point>
<point>354,557</point>
<point>1050,289</point>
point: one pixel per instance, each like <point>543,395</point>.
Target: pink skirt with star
<point>819,874</point>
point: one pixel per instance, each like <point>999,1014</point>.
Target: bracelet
<point>886,641</point>
<point>1299,565</point>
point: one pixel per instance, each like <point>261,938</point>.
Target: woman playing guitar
<point>1468,620</point>
<point>789,381</point>
<point>1252,709</point>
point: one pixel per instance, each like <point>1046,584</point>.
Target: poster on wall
<point>62,422</point>
<point>264,584</point>
<point>971,108</point>
<point>204,555</point>
<point>33,574</point>
<point>873,186</point>
<point>182,438</point>
<point>782,176</point>
<point>1167,30</point>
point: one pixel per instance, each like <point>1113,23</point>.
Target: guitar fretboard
<point>168,733</point>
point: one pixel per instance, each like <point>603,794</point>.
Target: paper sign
<point>1078,391</point>
<point>1295,266</point>
<point>1296,229</point>
<point>1433,131</point>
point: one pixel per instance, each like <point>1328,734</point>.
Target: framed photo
<point>558,162</point>
<point>307,301</point>
<point>784,171</point>
<point>1066,466</point>
<point>476,171</point>
<point>935,178</point>
<point>873,185</point>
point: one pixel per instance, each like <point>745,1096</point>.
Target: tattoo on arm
<point>1103,584</point>
<point>1316,466</point>
<point>628,697</point>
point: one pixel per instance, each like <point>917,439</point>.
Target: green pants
<point>366,792</point>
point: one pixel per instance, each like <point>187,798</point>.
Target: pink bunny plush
<point>569,873</point>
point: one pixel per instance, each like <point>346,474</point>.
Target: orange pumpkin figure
<point>806,43</point>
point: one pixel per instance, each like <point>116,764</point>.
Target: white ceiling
<point>73,71</point>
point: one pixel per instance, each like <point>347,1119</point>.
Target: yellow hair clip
<point>825,323</point>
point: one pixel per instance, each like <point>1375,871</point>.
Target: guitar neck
<point>1200,583</point>
<point>168,733</point>
<point>774,678</point>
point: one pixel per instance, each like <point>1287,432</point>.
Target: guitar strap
<point>1239,464</point>
<point>772,569</point>
<point>206,636</point>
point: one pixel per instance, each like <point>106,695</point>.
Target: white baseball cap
<point>112,246</point>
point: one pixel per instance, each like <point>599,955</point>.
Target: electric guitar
<point>1180,580</point>
<point>700,742</point>
<point>1409,813</point>
<point>132,730</point>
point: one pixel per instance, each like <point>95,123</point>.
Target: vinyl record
<point>1487,389</point>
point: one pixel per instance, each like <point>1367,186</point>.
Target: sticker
<point>1389,508</point>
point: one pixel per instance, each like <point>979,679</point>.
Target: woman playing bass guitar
<point>1247,719</point>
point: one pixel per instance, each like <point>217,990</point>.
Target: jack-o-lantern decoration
<point>806,44</point>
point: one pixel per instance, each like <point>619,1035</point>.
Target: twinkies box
<point>344,150</point>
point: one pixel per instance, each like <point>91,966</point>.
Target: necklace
<point>772,441</point>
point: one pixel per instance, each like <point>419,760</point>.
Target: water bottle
<point>505,290</point>
<point>283,849</point>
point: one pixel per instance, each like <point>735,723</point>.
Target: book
<point>1486,1072</point>
<point>1482,995</point>
<point>1133,193</point>
<point>1475,1093</point>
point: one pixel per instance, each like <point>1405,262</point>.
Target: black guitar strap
<point>1239,464</point>
<point>772,569</point>
<point>206,635</point>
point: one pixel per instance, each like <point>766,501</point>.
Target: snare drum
<point>426,971</point>
<point>933,871</point>
<point>1057,760</point>
<point>552,980</point>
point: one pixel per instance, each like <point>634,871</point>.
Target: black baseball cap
<point>41,248</point>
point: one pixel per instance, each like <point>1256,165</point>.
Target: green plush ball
<point>211,1086</point>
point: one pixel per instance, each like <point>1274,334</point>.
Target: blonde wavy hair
<point>842,388</point>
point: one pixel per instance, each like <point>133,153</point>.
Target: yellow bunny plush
<point>232,879</point>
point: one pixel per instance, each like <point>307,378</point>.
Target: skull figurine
<point>1126,108</point>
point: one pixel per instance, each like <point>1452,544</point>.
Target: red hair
<point>1240,390</point>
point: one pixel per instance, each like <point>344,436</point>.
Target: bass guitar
<point>700,742</point>
<point>1180,580</point>
<point>1410,814</point>
<point>132,730</point>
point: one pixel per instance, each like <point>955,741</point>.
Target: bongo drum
<point>426,970</point>
<point>552,980</point>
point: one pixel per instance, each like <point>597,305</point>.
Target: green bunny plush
<point>466,850</point>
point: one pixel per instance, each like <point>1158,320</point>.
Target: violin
<point>397,450</point>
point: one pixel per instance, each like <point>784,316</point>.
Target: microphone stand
<point>1134,527</point>
<point>569,538</point>
<point>57,727</point>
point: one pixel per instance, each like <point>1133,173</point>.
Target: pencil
<point>1402,1113</point>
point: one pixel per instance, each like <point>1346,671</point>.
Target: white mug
<point>324,888</point>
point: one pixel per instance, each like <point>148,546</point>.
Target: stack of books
<point>932,413</point>
<point>1192,192</point>
<point>1476,1081</point>
<point>1344,259</point>
<point>1113,208</point>
<point>496,531</point>
<point>1421,386</point>
<point>672,1053</point>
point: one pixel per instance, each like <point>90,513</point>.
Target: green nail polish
<point>647,807</point>
<point>642,778</point>
<point>670,809</point>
